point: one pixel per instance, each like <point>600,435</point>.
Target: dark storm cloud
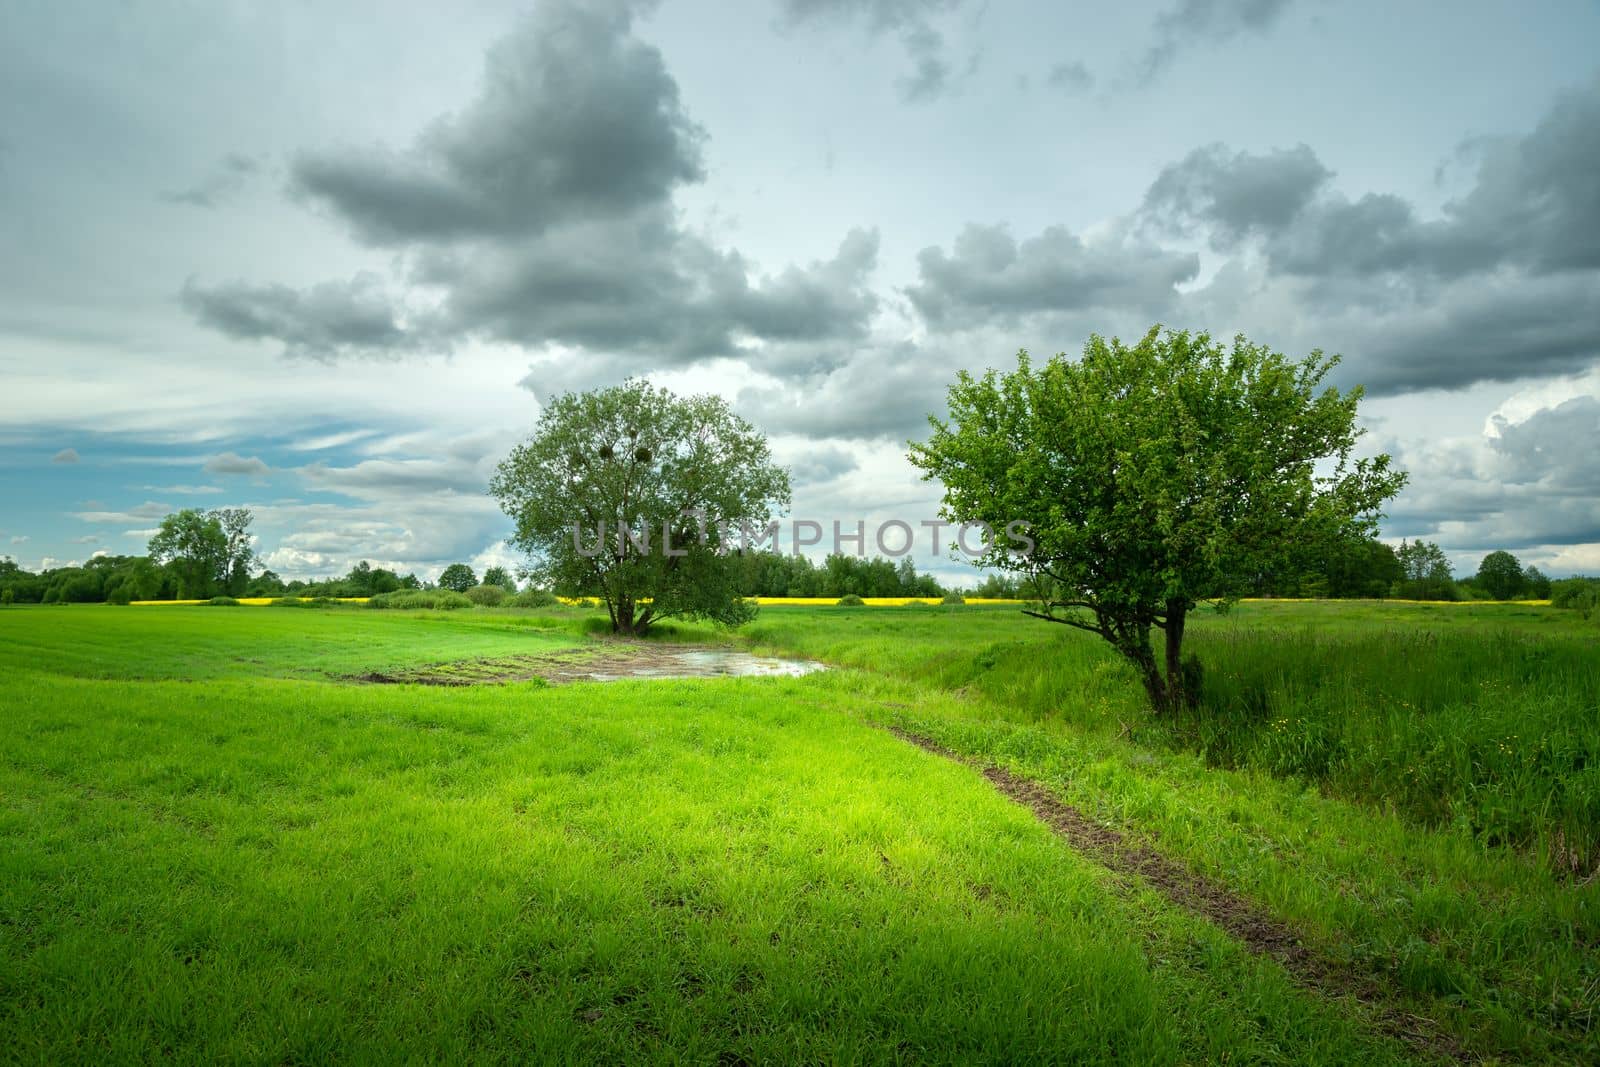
<point>1534,205</point>
<point>821,464</point>
<point>1530,483</point>
<point>910,20</point>
<point>577,119</point>
<point>642,283</point>
<point>1236,194</point>
<point>988,276</point>
<point>1556,446</point>
<point>1194,22</point>
<point>543,214</point>
<point>1504,284</point>
<point>325,322</point>
<point>886,392</point>
<point>1502,327</point>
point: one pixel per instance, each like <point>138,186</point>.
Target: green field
<point>216,844</point>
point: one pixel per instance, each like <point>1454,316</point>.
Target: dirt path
<point>1242,919</point>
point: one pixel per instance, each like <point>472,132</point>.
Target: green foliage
<point>850,600</point>
<point>223,602</point>
<point>1534,583</point>
<point>206,550</point>
<point>120,596</point>
<point>1155,477</point>
<point>8,597</point>
<point>534,598</point>
<point>1424,573</point>
<point>1576,594</point>
<point>421,600</point>
<point>288,602</point>
<point>762,572</point>
<point>1501,576</point>
<point>953,598</point>
<point>641,459</point>
<point>457,577</point>
<point>487,596</point>
<point>501,577</point>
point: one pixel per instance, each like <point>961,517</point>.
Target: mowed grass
<point>212,849</point>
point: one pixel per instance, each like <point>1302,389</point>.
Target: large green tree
<point>1501,576</point>
<point>625,492</point>
<point>1156,476</point>
<point>458,577</point>
<point>193,550</point>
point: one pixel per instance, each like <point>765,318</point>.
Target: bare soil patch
<point>600,661</point>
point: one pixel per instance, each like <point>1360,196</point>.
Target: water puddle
<point>610,661</point>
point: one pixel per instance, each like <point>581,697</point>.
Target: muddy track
<point>1242,919</point>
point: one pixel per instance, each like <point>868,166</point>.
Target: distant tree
<point>668,470</point>
<point>241,555</point>
<point>501,577</point>
<point>1534,583</point>
<point>1425,572</point>
<point>458,577</point>
<point>195,547</point>
<point>267,583</point>
<point>1500,575</point>
<point>1156,476</point>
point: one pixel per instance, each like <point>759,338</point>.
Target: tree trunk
<point>1134,643</point>
<point>1178,695</point>
<point>623,622</point>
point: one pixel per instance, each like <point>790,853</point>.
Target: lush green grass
<point>1485,717</point>
<point>1491,940</point>
<point>212,847</point>
<point>269,865</point>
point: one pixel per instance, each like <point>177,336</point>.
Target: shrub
<point>222,602</point>
<point>850,600</point>
<point>1577,594</point>
<point>51,595</point>
<point>952,598</point>
<point>119,595</point>
<point>287,602</point>
<point>487,596</point>
<point>420,600</point>
<point>534,598</point>
<point>7,596</point>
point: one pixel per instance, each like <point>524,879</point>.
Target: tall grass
<point>1485,718</point>
<point>1494,731</point>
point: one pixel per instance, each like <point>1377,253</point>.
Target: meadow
<point>218,844</point>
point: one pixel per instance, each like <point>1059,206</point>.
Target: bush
<point>534,598</point>
<point>7,597</point>
<point>222,602</point>
<point>287,602</point>
<point>952,598</point>
<point>119,595</point>
<point>420,600</point>
<point>1576,594</point>
<point>850,600</point>
<point>487,596</point>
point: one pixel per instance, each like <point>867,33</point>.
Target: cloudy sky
<point>326,260</point>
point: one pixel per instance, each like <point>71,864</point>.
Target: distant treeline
<point>1417,570</point>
